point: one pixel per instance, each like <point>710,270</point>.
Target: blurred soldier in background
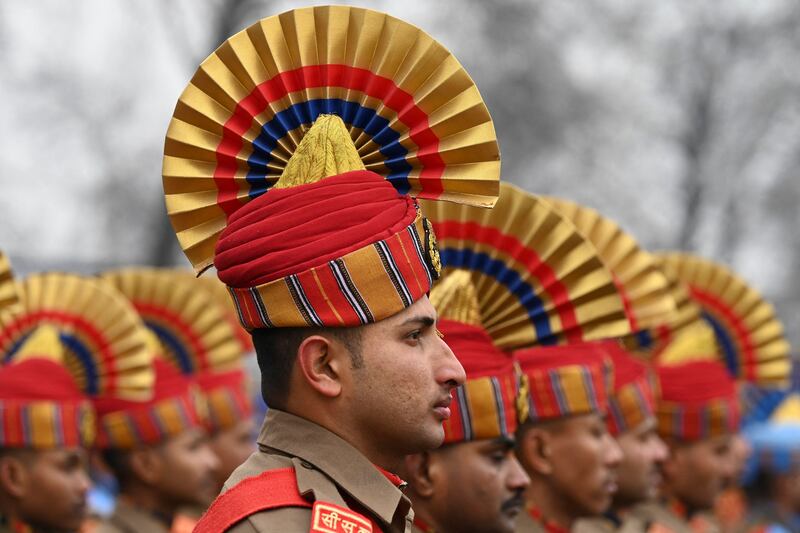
<point>631,419</point>
<point>564,444</point>
<point>473,483</point>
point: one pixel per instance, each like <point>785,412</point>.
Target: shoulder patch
<point>330,518</point>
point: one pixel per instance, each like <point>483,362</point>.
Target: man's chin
<point>431,438</point>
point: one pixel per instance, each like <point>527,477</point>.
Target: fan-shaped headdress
<point>290,153</point>
<point>538,280</point>
<point>69,339</point>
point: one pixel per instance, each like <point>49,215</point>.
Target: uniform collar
<point>334,456</point>
<point>131,518</point>
<point>548,525</point>
<point>7,525</point>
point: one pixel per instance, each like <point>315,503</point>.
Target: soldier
<point>473,483</point>
<point>564,443</point>
<point>631,419</point>
<point>698,417</point>
<point>66,340</point>
<point>197,336</point>
<point>158,452</point>
<point>43,479</point>
<point>327,264</point>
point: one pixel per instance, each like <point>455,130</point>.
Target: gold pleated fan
<point>219,292</point>
<point>686,336</point>
<point>194,332</point>
<point>455,298</point>
<point>539,281</point>
<point>9,297</point>
<point>749,335</point>
<point>103,337</point>
<point>642,285</point>
<point>411,109</point>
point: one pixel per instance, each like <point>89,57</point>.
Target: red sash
<point>269,490</point>
<point>273,489</point>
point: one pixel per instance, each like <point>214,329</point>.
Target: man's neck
<point>378,454</point>
<point>541,497</point>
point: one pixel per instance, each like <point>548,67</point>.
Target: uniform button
<point>306,464</point>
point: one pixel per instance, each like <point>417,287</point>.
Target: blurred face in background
<point>639,472</point>
<point>187,469</point>
<point>577,459</point>
<point>232,447</point>
<point>46,489</point>
<point>696,472</point>
<point>740,453</point>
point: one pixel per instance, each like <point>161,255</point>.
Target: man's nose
<point>517,478</point>
<point>449,371</point>
<point>613,451</point>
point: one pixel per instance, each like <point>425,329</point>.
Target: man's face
<point>187,470</point>
<point>639,472</point>
<point>51,492</point>
<point>402,392</point>
<point>740,453</point>
<point>696,472</point>
<point>232,447</point>
<point>477,487</point>
<point>584,459</point>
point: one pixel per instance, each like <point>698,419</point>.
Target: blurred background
<point>679,119</point>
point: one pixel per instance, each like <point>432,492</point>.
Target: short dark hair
<point>24,455</point>
<point>276,351</point>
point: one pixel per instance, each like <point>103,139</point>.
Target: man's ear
<point>418,472</point>
<point>146,464</point>
<point>535,450</point>
<point>321,362</point>
<point>14,476</point>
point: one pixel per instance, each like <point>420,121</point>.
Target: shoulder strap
<point>272,489</point>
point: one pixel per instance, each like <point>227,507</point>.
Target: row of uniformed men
<point>588,443</point>
<point>287,167</point>
<point>142,365</point>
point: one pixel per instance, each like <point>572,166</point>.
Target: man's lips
<point>442,407</point>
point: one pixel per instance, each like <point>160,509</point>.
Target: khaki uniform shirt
<point>129,519</point>
<point>327,469</point>
<point>629,524</point>
<point>659,518</point>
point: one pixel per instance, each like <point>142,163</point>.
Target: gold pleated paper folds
<point>104,338</point>
<point>9,297</point>
<point>749,335</point>
<point>641,283</point>
<point>412,111</point>
<point>538,279</point>
<point>191,326</point>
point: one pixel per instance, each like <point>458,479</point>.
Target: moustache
<point>515,502</point>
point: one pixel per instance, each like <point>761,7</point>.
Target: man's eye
<point>415,335</point>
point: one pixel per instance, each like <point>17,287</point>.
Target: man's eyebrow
<point>425,320</point>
